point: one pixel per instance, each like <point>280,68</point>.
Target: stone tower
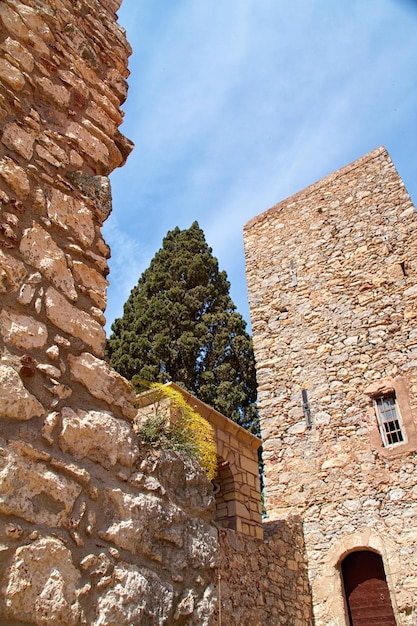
<point>332,276</point>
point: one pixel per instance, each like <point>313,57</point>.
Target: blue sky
<point>234,105</point>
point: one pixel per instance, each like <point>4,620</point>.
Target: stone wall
<point>237,485</point>
<point>264,583</point>
<point>93,529</point>
<point>332,275</point>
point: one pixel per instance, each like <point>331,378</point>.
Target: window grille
<point>389,420</point>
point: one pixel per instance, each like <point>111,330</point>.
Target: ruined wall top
<point>330,181</point>
<point>63,70</point>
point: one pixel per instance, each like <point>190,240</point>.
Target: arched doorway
<point>366,590</point>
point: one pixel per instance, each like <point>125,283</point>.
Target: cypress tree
<point>180,324</point>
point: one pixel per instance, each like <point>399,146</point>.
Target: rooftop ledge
<point>211,415</point>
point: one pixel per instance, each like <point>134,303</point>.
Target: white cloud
<point>235,105</point>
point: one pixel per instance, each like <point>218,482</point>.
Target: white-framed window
<point>389,419</point>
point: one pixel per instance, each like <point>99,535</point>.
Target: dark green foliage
<point>180,324</point>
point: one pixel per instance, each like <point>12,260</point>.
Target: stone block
<point>72,215</point>
<point>15,400</point>
<point>18,140</point>
<point>22,331</point>
<point>12,273</point>
<point>42,580</point>
<point>11,76</point>
<point>18,54</point>
<point>104,382</point>
<point>15,177</point>
<point>40,251</point>
<point>136,596</point>
<point>30,490</point>
<point>73,321</point>
<point>98,436</point>
<point>249,465</point>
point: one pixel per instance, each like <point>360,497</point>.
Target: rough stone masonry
<point>93,529</point>
<point>332,275</point>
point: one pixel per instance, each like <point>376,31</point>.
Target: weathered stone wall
<point>93,529</point>
<point>332,275</point>
<point>264,583</point>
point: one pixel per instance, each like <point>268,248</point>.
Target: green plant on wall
<point>179,428</point>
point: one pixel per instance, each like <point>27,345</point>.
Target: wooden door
<point>366,590</point>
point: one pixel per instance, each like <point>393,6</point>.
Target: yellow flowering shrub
<point>184,430</point>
